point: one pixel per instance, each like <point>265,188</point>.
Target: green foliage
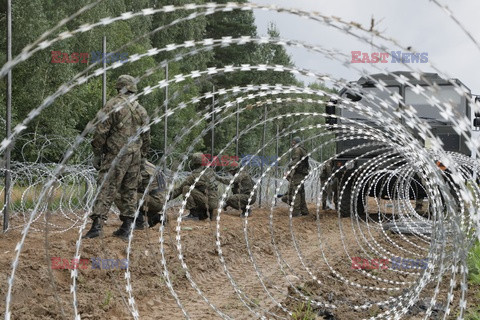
<point>473,314</point>
<point>108,298</point>
<point>303,312</point>
<point>37,78</point>
<point>473,263</point>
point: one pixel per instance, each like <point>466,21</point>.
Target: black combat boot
<point>324,205</point>
<point>202,214</point>
<point>192,216</point>
<point>296,214</point>
<point>95,230</point>
<point>124,231</point>
<point>244,212</point>
<point>304,211</point>
<point>211,213</point>
<point>140,222</point>
<point>156,219</point>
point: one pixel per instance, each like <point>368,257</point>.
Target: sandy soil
<point>309,258</point>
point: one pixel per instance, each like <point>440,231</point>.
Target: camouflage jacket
<point>301,166</point>
<point>242,184</point>
<point>206,183</point>
<point>113,132</point>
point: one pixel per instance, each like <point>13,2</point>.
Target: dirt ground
<point>281,267</point>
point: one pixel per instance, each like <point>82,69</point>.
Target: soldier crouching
<point>203,198</point>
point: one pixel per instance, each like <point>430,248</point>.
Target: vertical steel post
<point>165,128</point>
<point>263,153</point>
<point>213,122</point>
<point>237,130</point>
<point>9,118</point>
<point>104,83</point>
<point>276,164</point>
<point>290,145</point>
<point>311,146</point>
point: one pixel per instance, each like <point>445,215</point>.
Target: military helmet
<point>126,81</point>
<point>196,160</point>
<point>297,140</point>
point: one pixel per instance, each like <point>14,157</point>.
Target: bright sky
<point>417,23</point>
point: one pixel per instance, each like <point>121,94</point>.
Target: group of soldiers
<point>120,145</point>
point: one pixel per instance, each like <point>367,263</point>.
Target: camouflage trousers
<point>299,204</point>
<point>199,200</point>
<point>330,192</point>
<point>199,204</point>
<point>121,180</point>
<point>239,201</point>
<point>152,204</point>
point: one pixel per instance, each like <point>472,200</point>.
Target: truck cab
<point>400,95</point>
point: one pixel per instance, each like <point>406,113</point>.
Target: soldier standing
<point>241,189</point>
<point>330,191</point>
<point>121,119</point>
<point>203,198</point>
<point>154,199</point>
<point>299,170</point>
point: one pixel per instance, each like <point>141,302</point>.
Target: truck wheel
<point>345,207</point>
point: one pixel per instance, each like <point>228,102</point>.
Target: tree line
<point>37,78</point>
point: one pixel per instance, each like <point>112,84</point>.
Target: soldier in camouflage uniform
<point>331,189</point>
<point>110,143</point>
<point>241,188</point>
<point>299,170</point>
<point>203,199</point>
<point>154,199</point>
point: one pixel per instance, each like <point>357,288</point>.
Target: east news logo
<point>397,57</point>
<point>82,57</point>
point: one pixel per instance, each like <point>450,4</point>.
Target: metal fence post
<point>165,128</point>
<point>9,118</point>
<point>213,122</point>
<point>104,76</point>
<point>263,154</point>
<point>237,131</point>
<point>276,162</point>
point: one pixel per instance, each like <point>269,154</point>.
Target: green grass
<point>473,263</point>
<point>303,312</point>
<point>31,196</point>
<point>107,299</point>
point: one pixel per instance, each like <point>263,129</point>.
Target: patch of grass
<point>304,312</point>
<point>473,263</point>
<point>472,315</point>
<point>27,199</point>
<point>306,290</point>
<point>107,299</point>
<point>254,303</point>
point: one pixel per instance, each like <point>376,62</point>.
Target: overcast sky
<point>416,23</point>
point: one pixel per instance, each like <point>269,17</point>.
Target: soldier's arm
<point>296,157</point>
<point>178,190</point>
<point>224,180</point>
<point>102,129</point>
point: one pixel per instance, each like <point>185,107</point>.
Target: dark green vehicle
<point>354,155</point>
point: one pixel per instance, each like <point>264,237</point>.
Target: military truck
<point>352,153</point>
